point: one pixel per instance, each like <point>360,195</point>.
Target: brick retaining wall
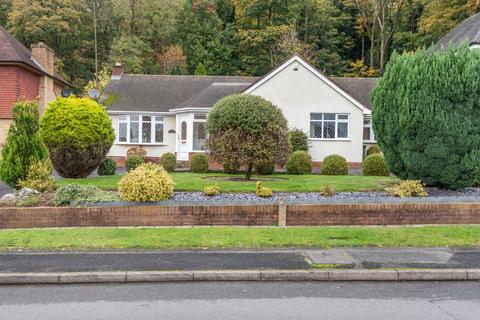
<point>243,215</point>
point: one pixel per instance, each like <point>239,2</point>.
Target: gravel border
<point>198,198</point>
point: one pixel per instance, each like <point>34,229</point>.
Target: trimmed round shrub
<point>262,191</point>
<point>148,182</point>
<point>373,149</point>
<point>133,162</point>
<point>78,133</point>
<point>300,162</point>
<point>168,161</point>
<point>374,165</point>
<point>298,140</point>
<point>334,165</point>
<point>246,129</point>
<point>24,146</point>
<point>265,168</point>
<point>136,151</point>
<point>107,168</point>
<point>199,163</point>
<point>426,116</point>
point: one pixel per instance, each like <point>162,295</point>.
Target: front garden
<point>196,182</point>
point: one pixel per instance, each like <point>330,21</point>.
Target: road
<point>243,300</point>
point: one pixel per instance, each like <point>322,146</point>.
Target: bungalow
<point>165,113</point>
<point>25,75</point>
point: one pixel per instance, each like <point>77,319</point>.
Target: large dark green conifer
<point>24,145</point>
<point>426,116</point>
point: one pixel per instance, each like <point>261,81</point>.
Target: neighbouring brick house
<point>25,75</point>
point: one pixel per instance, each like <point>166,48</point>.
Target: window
<point>142,129</point>
<point>368,130</point>
<point>328,126</point>
<point>183,131</point>
<point>199,132</point>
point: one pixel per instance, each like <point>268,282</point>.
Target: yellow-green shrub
<point>373,149</point>
<point>327,191</point>
<point>39,177</point>
<point>148,182</point>
<point>408,188</point>
<point>212,190</point>
<point>262,191</point>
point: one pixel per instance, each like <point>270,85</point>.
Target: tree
<point>64,26</point>
<point>426,117</point>
<point>176,70</point>
<point>440,16</point>
<point>172,57</point>
<point>5,7</point>
<point>134,54</point>
<point>200,70</point>
<point>204,38</point>
<point>78,134</point>
<point>23,146</point>
<point>247,130</point>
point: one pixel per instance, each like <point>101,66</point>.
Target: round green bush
<point>199,163</point>
<point>107,168</point>
<point>298,140</point>
<point>133,162</point>
<point>373,149</point>
<point>148,182</point>
<point>426,116</point>
<point>265,168</point>
<point>78,133</point>
<point>334,165</point>
<point>299,162</point>
<point>168,161</point>
<point>246,129</point>
<point>374,165</point>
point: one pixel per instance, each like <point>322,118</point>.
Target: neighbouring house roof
<point>359,88</point>
<point>14,52</point>
<point>468,30</point>
<point>161,93</point>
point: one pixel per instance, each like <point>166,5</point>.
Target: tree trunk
<point>248,171</point>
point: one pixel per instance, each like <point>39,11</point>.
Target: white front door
<point>183,142</point>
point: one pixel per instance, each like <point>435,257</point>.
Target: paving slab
<point>150,261</point>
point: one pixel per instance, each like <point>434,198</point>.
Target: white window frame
<point>370,126</point>
<point>153,123</point>
<point>195,119</point>
<point>337,121</point>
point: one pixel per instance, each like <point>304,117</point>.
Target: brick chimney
<point>44,56</point>
<point>117,70</point>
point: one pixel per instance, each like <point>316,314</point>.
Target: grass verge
<point>239,237</point>
<point>188,181</point>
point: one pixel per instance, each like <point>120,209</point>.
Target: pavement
<point>245,300</point>
<point>281,259</point>
<point>400,264</point>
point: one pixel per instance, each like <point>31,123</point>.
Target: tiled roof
<point>12,51</point>
<point>468,30</point>
<point>160,93</point>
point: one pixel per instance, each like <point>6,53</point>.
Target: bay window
<point>141,129</point>
<point>328,126</point>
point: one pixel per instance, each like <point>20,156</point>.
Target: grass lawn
<point>228,237</point>
<point>187,181</point>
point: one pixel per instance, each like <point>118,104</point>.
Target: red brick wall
<point>138,216</point>
<point>383,214</point>
<point>16,84</point>
<point>243,215</point>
